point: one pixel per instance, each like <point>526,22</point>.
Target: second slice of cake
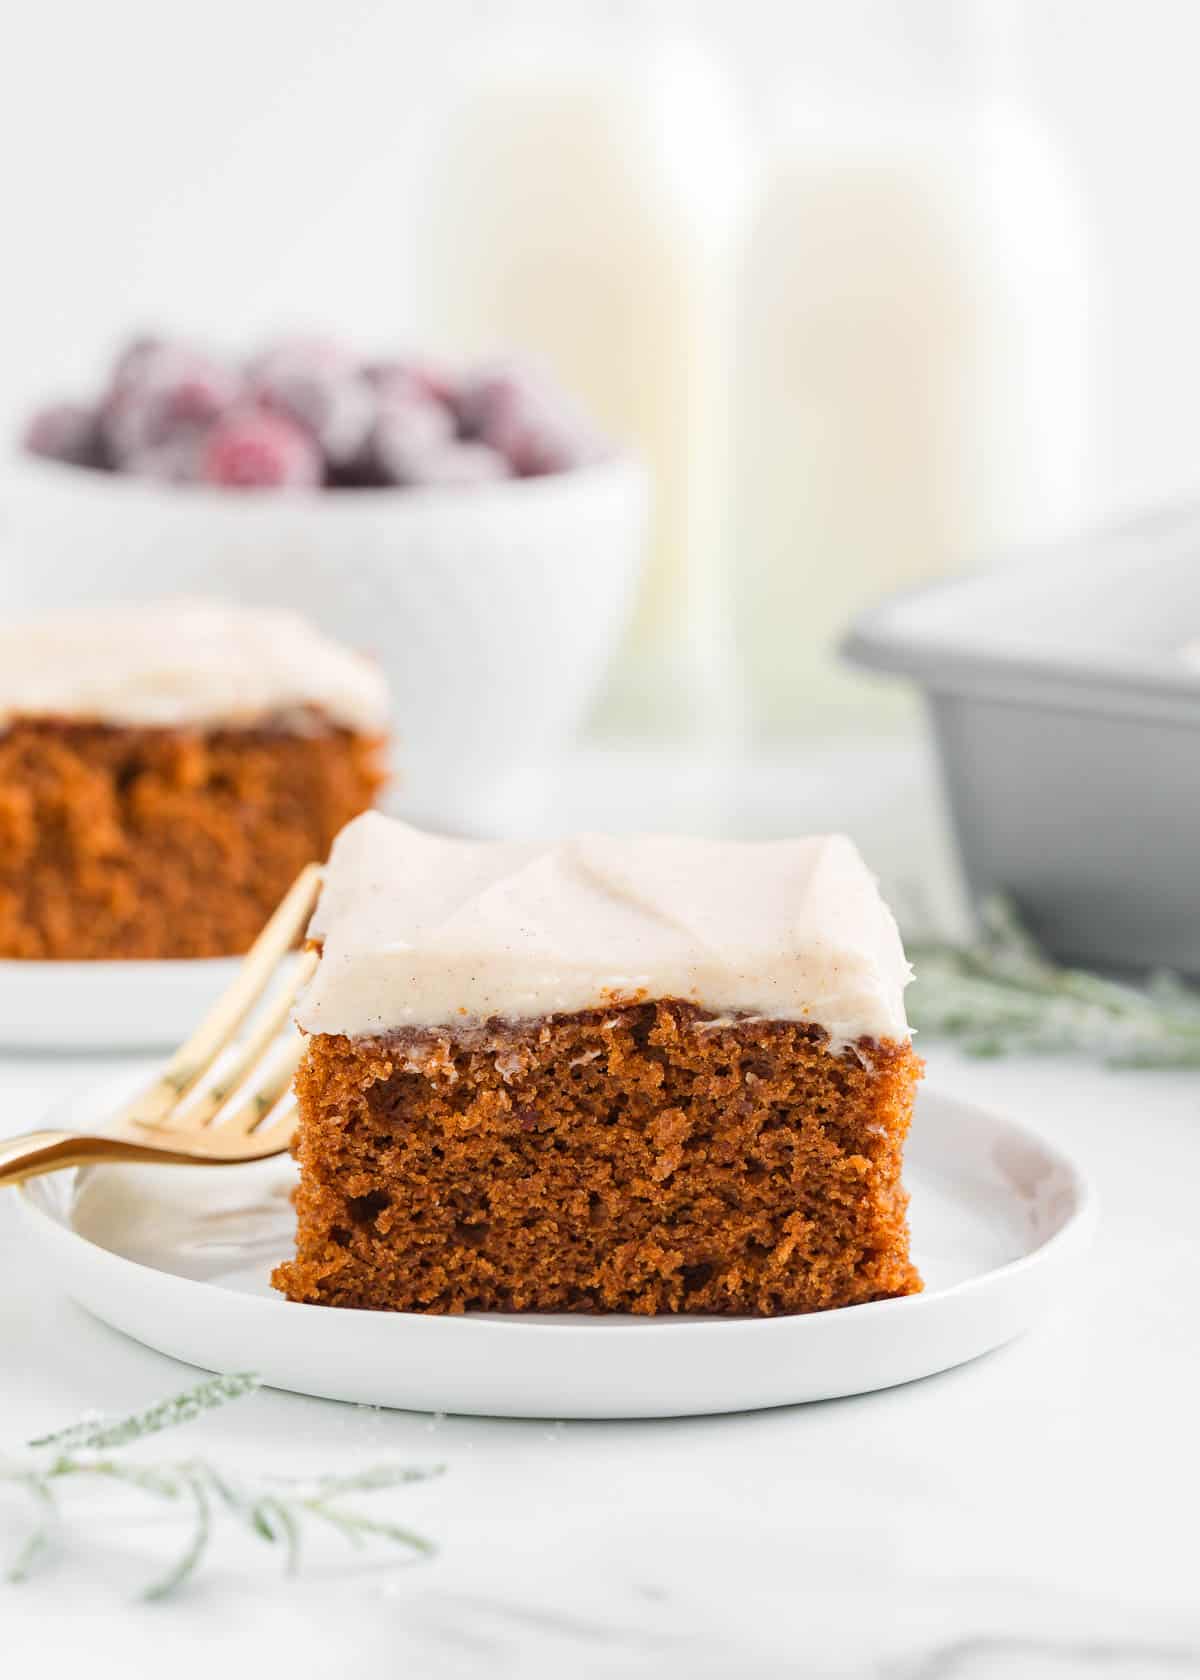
<point>602,1075</point>
<point>167,768</point>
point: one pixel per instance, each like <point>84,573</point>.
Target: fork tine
<point>194,1058</point>
<point>194,1116</point>
<point>258,1105</point>
<point>274,1135</point>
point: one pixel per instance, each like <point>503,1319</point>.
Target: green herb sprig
<point>275,1510</point>
<point>1001,995</point>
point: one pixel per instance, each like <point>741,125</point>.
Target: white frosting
<point>176,663</point>
<point>424,931</point>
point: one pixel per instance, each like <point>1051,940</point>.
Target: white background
<point>232,166</point>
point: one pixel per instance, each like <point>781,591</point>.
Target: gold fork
<point>212,1129</point>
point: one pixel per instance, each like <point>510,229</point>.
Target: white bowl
<point>493,610</point>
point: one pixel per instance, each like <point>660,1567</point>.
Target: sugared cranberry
<point>529,420</point>
<point>430,378</point>
<point>485,395</point>
<point>543,439</point>
<point>162,391</point>
<point>319,386</point>
<point>130,361</point>
<point>175,461</point>
<point>67,432</point>
<point>306,352</point>
<point>408,429</point>
<point>252,449</point>
<point>459,464</point>
<point>307,411</point>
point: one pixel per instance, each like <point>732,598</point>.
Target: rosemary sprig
<point>92,1433</point>
<point>1001,995</point>
<point>275,1510</point>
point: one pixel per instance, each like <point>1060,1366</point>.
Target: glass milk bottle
<point>582,205</point>
<point>911,369</point>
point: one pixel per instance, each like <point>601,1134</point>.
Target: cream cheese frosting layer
<point>419,930</point>
<point>184,662</point>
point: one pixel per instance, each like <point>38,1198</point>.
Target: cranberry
<point>483,396</point>
<point>66,432</point>
<point>174,461</point>
<point>302,353</point>
<point>307,411</point>
<point>537,439</point>
<point>320,387</point>
<point>529,420</point>
<point>251,449</point>
<point>429,378</point>
<point>459,464</point>
<point>408,428</point>
<point>162,391</point>
<point>130,361</point>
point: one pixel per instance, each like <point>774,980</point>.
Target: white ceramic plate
<point>107,1005</point>
<point>178,1257</point>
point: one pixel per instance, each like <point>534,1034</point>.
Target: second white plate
<point>107,1005</point>
<point>110,1005</point>
<point>180,1258</point>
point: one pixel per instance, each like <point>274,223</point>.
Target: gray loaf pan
<point>1067,718</point>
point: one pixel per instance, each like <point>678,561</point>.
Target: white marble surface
<point>1031,1514</point>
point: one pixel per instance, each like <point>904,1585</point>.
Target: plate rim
<point>13,967</point>
<point>1075,1231</point>
<point>107,1005</point>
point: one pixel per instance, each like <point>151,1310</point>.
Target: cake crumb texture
<point>633,1159</point>
<point>164,842</point>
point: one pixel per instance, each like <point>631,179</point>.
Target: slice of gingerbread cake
<point>650,1075</point>
<point>167,770</point>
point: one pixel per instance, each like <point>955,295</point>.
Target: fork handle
<point>36,1152</point>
